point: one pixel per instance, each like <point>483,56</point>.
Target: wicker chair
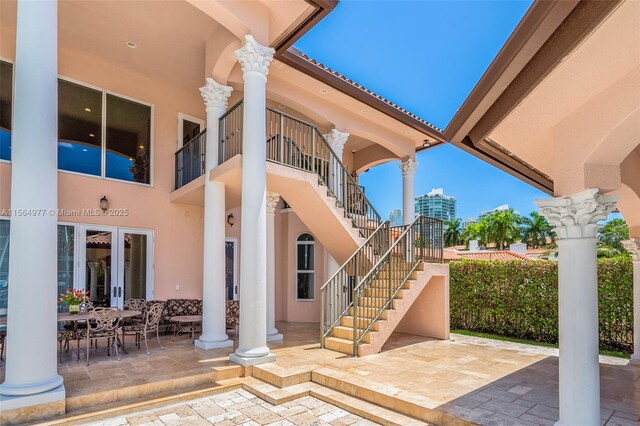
<point>150,324</point>
<point>233,315</point>
<point>103,324</point>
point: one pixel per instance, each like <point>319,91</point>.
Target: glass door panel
<point>134,272</point>
<point>230,270</point>
<point>98,261</point>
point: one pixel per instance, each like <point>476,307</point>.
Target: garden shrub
<point>520,299</point>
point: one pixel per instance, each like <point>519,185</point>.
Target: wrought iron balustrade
<point>298,144</point>
<point>190,160</point>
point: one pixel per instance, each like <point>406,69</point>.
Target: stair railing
<point>298,144</point>
<point>336,292</point>
<point>422,241</point>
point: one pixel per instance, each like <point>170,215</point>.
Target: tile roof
<point>501,255</point>
<point>364,89</point>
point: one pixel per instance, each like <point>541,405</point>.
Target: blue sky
<point>436,52</point>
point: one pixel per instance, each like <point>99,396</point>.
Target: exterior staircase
<point>361,307</point>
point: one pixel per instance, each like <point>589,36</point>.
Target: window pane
<point>6,95</point>
<point>305,257</point>
<point>305,285</point>
<point>65,260</point>
<point>4,265</point>
<point>79,128</point>
<point>128,140</point>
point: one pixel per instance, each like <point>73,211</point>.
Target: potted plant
<point>74,298</point>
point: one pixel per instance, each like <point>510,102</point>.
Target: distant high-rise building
<point>436,204</point>
<point>497,209</point>
<point>468,221</point>
<point>395,217</point>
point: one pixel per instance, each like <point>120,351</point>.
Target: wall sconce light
<point>104,203</point>
<point>231,220</point>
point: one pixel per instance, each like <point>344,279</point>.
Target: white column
<point>575,218</point>
<point>31,375</point>
<point>633,246</point>
<point>272,204</point>
<point>214,333</point>
<point>254,59</point>
<point>336,140</point>
<point>408,168</point>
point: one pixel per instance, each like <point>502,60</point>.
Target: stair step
<point>273,394</point>
<point>383,292</point>
<point>389,397</point>
<point>339,345</point>
<point>347,321</point>
<point>346,333</point>
<point>362,408</point>
<point>369,312</point>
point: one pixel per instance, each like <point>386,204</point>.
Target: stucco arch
<point>629,207</point>
<point>371,156</point>
<point>619,142</point>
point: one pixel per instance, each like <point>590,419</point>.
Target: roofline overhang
<point>321,9</point>
<point>549,31</point>
<point>294,59</point>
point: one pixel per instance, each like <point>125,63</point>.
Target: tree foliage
<point>536,230</point>
<point>612,234</point>
<point>452,232</point>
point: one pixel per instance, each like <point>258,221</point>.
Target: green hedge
<point>520,299</point>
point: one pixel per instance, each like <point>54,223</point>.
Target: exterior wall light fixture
<point>231,220</point>
<point>104,203</point>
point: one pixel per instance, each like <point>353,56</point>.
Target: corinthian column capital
<point>336,140</point>
<point>272,202</point>
<point>576,215</point>
<point>633,247</point>
<point>215,94</point>
<point>254,57</point>
<point>408,167</point>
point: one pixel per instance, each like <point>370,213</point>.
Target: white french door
<point>115,264</point>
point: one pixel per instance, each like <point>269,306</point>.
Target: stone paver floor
<point>240,407</point>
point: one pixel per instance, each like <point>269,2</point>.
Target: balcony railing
<point>295,143</point>
<point>190,160</point>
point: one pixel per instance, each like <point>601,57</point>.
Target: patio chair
<point>103,324</point>
<point>3,335</point>
<point>135,305</point>
<point>151,324</point>
<point>64,337</point>
<point>233,315</point>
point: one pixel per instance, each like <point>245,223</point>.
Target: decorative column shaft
<point>408,168</point>
<point>214,333</point>
<point>575,218</point>
<point>272,204</point>
<point>633,246</point>
<point>336,140</point>
<point>31,375</point>
<point>254,59</point>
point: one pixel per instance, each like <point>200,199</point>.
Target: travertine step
<point>347,321</point>
<point>383,292</point>
<point>368,312</point>
<point>275,395</point>
<point>279,376</point>
<point>345,346</point>
<point>389,397</point>
<point>362,408</point>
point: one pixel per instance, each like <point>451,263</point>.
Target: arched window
<point>305,267</point>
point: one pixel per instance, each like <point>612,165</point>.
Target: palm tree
<point>503,227</point>
<point>476,231</point>
<point>452,233</point>
<point>536,230</point>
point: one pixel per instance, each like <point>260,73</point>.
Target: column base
<point>249,361</point>
<point>29,408</point>
<point>213,345</point>
<point>274,337</point>
<point>635,359</point>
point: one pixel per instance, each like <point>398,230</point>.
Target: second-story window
<point>99,133</point>
<point>6,97</point>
